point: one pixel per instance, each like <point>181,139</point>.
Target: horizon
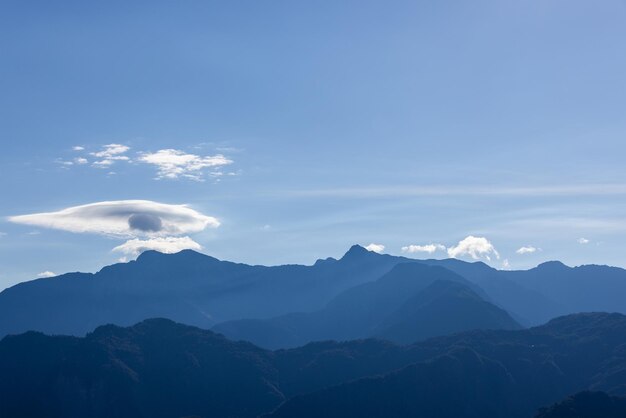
<point>313,209</point>
<point>311,264</point>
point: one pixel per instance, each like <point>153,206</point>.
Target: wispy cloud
<point>447,190</point>
<point>526,250</point>
<point>46,273</point>
<point>377,248</point>
<point>428,248</point>
<point>109,154</point>
<point>123,218</point>
<point>475,247</point>
<point>582,241</point>
<point>170,163</point>
<point>173,164</point>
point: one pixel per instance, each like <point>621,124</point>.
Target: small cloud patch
<point>475,247</point>
<point>377,248</point>
<point>428,248</point>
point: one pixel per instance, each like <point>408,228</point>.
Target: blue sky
<point>305,127</point>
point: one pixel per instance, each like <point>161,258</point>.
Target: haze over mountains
<point>410,303</point>
<point>200,290</point>
<point>366,335</point>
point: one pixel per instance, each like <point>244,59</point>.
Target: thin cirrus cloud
<point>428,248</point>
<point>377,248</point>
<point>174,164</point>
<point>529,249</point>
<point>475,247</point>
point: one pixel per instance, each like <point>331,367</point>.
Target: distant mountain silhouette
<point>158,368</point>
<point>444,307</point>
<point>577,289</point>
<point>587,405</point>
<point>527,305</point>
<point>188,287</point>
<point>199,290</point>
<point>411,302</point>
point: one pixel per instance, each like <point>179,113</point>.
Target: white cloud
<point>103,163</point>
<point>526,250</point>
<point>46,273</point>
<point>111,151</point>
<point>377,248</point>
<point>109,154</point>
<point>123,218</point>
<point>582,241</point>
<point>429,248</point>
<point>78,148</point>
<point>80,160</point>
<point>506,265</point>
<point>173,164</point>
<point>475,247</point>
<point>167,245</point>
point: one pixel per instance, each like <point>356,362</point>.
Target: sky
<point>285,131</point>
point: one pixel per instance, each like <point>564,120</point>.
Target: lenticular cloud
<point>123,218</point>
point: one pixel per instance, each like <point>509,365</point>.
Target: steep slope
<point>356,313</point>
<point>528,306</point>
<point>444,307</point>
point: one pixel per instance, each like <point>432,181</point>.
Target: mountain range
<point>188,335</point>
<point>412,302</point>
<point>200,290</point>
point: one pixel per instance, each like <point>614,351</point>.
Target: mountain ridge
<point>159,368</point>
<point>201,290</point>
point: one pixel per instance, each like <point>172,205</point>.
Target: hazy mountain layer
<point>410,303</point>
<point>196,289</point>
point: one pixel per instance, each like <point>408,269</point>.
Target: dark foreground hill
<point>587,405</point>
<point>162,369</point>
<point>410,303</point>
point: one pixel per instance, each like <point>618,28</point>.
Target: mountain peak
<point>357,252</point>
<point>552,266</point>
